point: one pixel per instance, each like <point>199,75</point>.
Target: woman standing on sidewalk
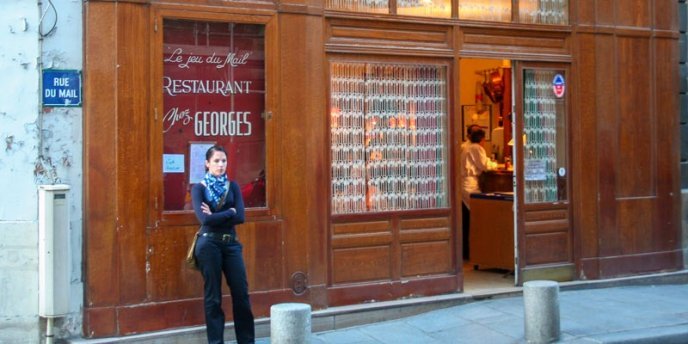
<point>219,206</point>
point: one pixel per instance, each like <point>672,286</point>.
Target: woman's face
<point>217,165</point>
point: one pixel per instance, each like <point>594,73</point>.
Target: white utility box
<point>53,250</point>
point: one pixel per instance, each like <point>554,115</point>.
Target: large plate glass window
<point>422,8</point>
<point>425,8</point>
<point>368,6</point>
<point>544,128</point>
<point>388,137</point>
<point>554,12</point>
<point>213,93</point>
<point>488,10</point>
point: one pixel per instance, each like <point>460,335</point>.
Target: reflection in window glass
<point>489,10</point>
<point>388,137</point>
<point>544,11</point>
<point>425,8</point>
<point>544,129</point>
<point>213,93</point>
<point>371,6</point>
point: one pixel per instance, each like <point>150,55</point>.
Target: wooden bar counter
<point>497,181</point>
<point>492,230</point>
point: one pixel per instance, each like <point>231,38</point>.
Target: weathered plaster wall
<point>683,120</point>
<point>37,146</point>
<point>684,208</point>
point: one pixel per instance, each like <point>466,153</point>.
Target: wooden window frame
<point>158,216</point>
<point>450,130</point>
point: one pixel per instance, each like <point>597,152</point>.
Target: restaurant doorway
<point>519,214</point>
<point>488,230</point>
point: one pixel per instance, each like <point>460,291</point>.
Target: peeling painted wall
<point>37,146</point>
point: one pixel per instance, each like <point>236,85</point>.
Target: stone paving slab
<point>634,314</point>
<point>626,310</point>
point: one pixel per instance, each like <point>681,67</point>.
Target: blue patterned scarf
<point>217,186</point>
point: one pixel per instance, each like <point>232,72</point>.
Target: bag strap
<point>222,200</point>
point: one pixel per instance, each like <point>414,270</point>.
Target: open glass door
<point>544,231</point>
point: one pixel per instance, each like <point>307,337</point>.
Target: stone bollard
<point>541,306</point>
<point>290,323</point>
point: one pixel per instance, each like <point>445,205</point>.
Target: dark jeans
<point>466,225</point>
<point>214,258</point>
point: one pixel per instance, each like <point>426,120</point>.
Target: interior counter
<point>492,230</point>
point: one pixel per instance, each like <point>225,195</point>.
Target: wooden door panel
<point>423,223</point>
<point>544,227</point>
<point>264,254</point>
<point>362,264</point>
<point>425,258</point>
<point>390,248</point>
<point>548,248</point>
<point>168,277</point>
<point>361,227</point>
<point>361,240</point>
<point>361,251</point>
<point>424,230</point>
<point>546,215</point>
<point>424,235</point>
<point>636,225</point>
<point>425,246</point>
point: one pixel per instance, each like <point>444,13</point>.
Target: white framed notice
<point>197,152</point>
<point>535,170</point>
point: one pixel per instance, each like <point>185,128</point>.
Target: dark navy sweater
<point>221,220</point>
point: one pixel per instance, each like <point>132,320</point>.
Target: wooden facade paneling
<point>633,13</point>
<point>168,278</point>
<point>623,211</point>
<point>607,144</point>
<point>132,119</point>
<point>389,38</point>
<point>634,202</point>
<point>302,149</point>
<point>634,119</point>
<point>585,12</point>
<point>635,225</point>
<point>585,148</point>
<point>100,235</point>
<point>546,248</point>
<point>426,258</point>
<point>665,15</point>
<point>668,205</point>
<point>393,249</point>
<point>264,254</point>
<point>534,45</point>
<point>360,264</point>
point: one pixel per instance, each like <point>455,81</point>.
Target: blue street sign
<point>61,87</point>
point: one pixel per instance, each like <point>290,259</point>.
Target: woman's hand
<point>205,208</point>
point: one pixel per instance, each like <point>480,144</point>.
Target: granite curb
<point>346,317</point>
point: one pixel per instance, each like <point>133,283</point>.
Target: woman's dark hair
<point>216,148</point>
<point>477,135</point>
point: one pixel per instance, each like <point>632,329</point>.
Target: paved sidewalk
<point>630,314</point>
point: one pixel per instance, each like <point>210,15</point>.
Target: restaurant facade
<point>344,120</point>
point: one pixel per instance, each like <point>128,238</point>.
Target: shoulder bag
<point>190,259</point>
